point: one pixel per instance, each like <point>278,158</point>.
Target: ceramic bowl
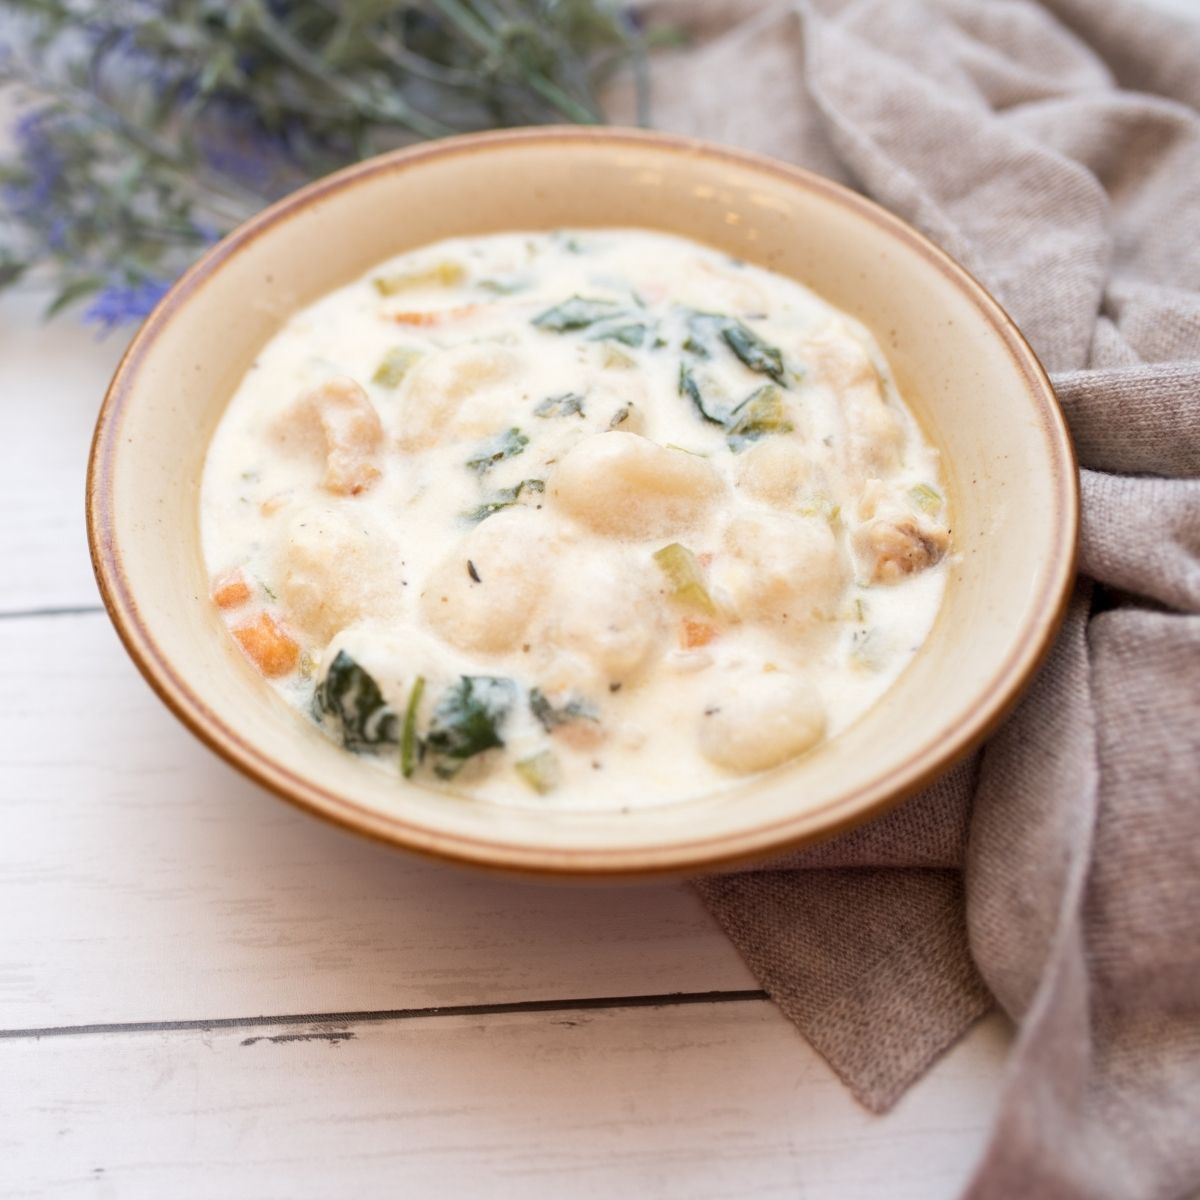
<point>966,372</point>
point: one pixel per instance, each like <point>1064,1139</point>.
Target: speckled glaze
<point>965,370</point>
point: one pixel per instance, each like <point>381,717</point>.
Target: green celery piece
<point>409,743</point>
<point>541,771</point>
<point>394,366</point>
<point>686,578</point>
<point>762,412</point>
<point>926,498</point>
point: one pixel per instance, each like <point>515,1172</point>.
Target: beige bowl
<point>964,368</point>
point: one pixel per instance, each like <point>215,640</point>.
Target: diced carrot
<point>693,633</point>
<point>434,316</point>
<point>268,646</point>
<point>230,590</point>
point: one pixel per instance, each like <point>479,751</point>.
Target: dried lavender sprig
<point>153,126</point>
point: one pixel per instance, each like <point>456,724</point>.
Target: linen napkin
<point>1054,150</point>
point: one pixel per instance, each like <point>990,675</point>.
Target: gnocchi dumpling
<point>782,569</point>
<point>758,720</point>
<point>777,471</point>
<point>607,610</point>
<point>484,593</point>
<point>338,564</point>
<point>438,386</point>
<point>337,418</point>
<point>624,485</point>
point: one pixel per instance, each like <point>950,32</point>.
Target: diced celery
<point>541,771</point>
<point>760,413</point>
<point>442,274</point>
<point>394,366</point>
<point>409,748</point>
<point>613,359</point>
<point>683,572</point>
<point>927,499</point>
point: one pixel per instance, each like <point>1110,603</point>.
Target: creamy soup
<point>577,519</point>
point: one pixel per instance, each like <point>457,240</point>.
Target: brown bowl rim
<point>775,837</point>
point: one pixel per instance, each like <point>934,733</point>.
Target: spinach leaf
<point>352,698</point>
<point>551,716</point>
<point>577,313</point>
<point>504,498</point>
<point>691,389</point>
<point>751,350</point>
<point>703,327</point>
<point>468,719</point>
<point>569,404</point>
<point>760,357</point>
<point>504,445</point>
<point>632,335</point>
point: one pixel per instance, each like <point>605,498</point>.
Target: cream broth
<point>598,519</point>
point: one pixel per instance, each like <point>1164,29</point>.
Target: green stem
<point>393,110</point>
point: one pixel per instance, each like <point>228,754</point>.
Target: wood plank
<point>52,379</point>
<point>697,1102</point>
<point>143,879</point>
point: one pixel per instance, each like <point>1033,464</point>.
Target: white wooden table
<point>206,993</point>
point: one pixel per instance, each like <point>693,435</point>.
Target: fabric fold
<point>1054,149</point>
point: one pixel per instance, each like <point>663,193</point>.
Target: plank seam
<point>65,610</point>
<point>381,1016</point>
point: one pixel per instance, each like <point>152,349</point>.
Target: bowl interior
<point>964,370</point>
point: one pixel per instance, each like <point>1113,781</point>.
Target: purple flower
<point>42,162</point>
<point>122,302</point>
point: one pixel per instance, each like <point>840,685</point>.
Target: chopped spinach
<point>576,313</point>
<point>467,720</point>
<point>504,498</point>
<point>760,357</point>
<point>569,404</point>
<point>703,328</point>
<point>495,450</point>
<point>551,716</point>
<point>632,334</point>
<point>691,389</point>
<point>352,698</point>
<point>751,350</point>
<point>503,285</point>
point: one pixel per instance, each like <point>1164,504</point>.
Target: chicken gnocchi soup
<point>580,519</point>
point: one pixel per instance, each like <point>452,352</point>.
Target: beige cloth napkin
<point>1053,149</point>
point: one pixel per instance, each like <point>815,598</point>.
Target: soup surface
<point>575,519</point>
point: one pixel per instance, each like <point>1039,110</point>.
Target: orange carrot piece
<point>230,590</point>
<point>693,633</point>
<point>434,316</point>
<point>268,646</point>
